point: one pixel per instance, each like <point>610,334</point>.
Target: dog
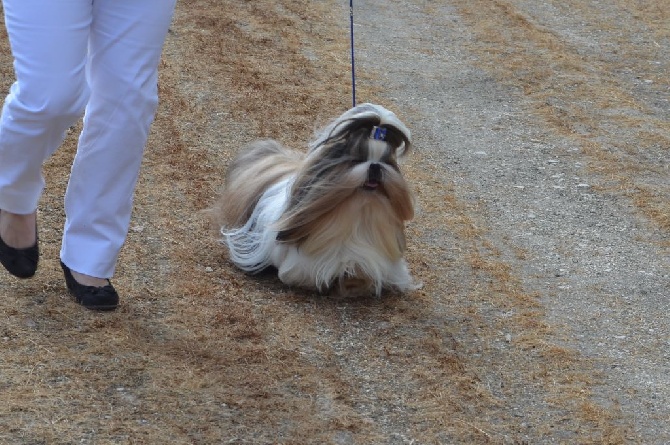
<point>332,219</point>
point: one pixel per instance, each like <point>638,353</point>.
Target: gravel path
<point>599,265</point>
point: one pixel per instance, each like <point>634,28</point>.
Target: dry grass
<point>199,353</point>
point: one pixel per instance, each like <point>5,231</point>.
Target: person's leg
<point>48,42</point>
<point>125,47</point>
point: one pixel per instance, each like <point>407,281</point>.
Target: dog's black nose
<point>375,173</point>
<point>374,177</point>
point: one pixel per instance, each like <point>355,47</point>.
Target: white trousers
<point>100,58</point>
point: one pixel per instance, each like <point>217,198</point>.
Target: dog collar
<point>378,133</point>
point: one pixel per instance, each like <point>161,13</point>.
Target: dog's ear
<point>397,140</point>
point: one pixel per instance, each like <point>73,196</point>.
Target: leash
<point>378,133</point>
<point>353,69</point>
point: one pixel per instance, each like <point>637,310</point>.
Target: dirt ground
<point>542,150</point>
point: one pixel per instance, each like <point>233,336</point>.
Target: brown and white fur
<point>332,219</point>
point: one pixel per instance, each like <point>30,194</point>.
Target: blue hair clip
<point>378,133</point>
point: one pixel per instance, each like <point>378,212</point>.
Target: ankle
<point>18,231</point>
<point>88,280</point>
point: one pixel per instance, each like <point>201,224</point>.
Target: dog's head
<point>356,153</point>
<point>365,141</point>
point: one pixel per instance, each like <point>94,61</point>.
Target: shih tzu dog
<point>332,219</point>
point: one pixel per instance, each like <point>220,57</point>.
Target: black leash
<point>353,71</point>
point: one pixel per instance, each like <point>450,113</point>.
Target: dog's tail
<point>258,166</point>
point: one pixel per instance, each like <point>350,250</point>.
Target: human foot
<point>19,252</point>
<point>92,293</point>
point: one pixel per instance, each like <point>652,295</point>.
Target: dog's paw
<point>354,287</point>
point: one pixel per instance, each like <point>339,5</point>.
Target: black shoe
<point>102,298</point>
<point>21,263</point>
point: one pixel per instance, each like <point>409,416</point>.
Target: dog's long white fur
<point>253,247</point>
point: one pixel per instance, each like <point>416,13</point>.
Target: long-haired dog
<point>332,219</point>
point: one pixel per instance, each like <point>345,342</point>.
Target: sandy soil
<point>541,167</point>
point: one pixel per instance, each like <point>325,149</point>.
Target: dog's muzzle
<point>375,175</point>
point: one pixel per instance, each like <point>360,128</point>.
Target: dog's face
<point>357,155</point>
<point>354,161</point>
<point>369,160</point>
